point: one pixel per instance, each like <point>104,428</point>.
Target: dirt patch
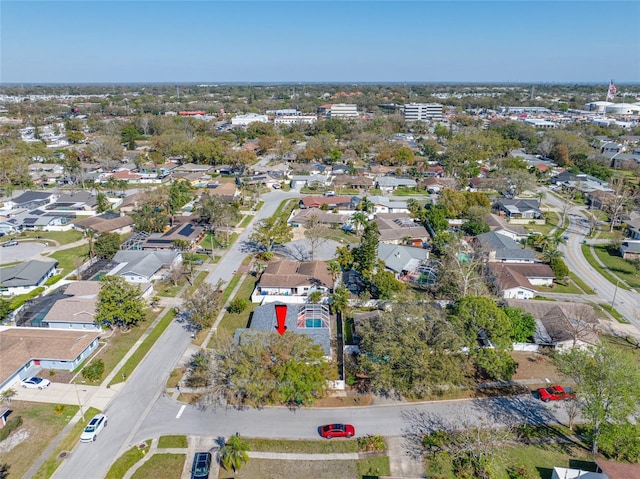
<point>58,376</point>
<point>344,401</point>
<point>14,439</point>
<point>534,366</point>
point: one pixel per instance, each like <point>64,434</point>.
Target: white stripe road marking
<point>181,411</point>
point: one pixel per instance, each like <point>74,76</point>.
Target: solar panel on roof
<point>187,230</point>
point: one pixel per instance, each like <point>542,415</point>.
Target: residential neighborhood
<point>404,266</point>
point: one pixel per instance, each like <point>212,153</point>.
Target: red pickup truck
<point>555,393</point>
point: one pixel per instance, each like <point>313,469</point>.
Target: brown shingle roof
<point>19,345</point>
<point>288,273</point>
<point>72,310</point>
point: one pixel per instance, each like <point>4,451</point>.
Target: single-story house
<point>383,204</point>
<point>435,184</point>
<point>42,220</point>
<point>300,217</point>
<point>518,208</point>
<point>561,324</point>
<point>500,226</point>
<point>515,280</point>
<point>353,182</point>
<point>31,199</point>
<point>310,181</point>
<point>630,249</point>
<point>77,309</point>
<point>187,232</point>
<point>109,222</point>
<point>391,183</point>
<point>501,248</point>
<point>309,319</point>
<point>25,277</point>
<point>292,279</point>
<point>137,266</point>
<point>401,259</point>
<point>332,202</point>
<point>399,228</point>
<point>78,202</point>
<point>633,228</point>
<point>25,351</point>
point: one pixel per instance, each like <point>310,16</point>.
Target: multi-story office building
<point>343,110</point>
<point>423,112</point>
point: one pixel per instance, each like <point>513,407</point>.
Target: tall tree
<point>270,232</point>
<point>119,303</point>
<point>107,245</point>
<point>365,256</point>
<point>316,232</point>
<point>608,385</point>
<point>203,305</point>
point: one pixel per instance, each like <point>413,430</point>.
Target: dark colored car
<point>201,465</point>
<point>337,430</point>
<point>555,393</point>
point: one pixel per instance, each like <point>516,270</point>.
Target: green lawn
<point>72,258</point>
<point>118,345</point>
<point>144,348</point>
<point>586,251</point>
<point>303,446</point>
<point>166,466</point>
<point>569,288</point>
<point>613,312</point>
<point>374,466</point>
<point>232,321</point>
<point>245,221</point>
<point>281,469</point>
<point>538,461</point>
<point>40,420</point>
<point>66,444</point>
<point>62,237</point>
<point>581,284</point>
<point>172,441</point>
<point>618,266</point>
<point>126,461</point>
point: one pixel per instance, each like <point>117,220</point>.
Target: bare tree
<point>203,304</point>
<point>316,232</point>
<point>621,200</point>
<point>107,150</point>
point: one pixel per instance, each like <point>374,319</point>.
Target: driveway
<point>300,250</point>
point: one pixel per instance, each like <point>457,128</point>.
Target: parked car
<point>10,243</point>
<point>555,393</point>
<point>201,465</point>
<point>34,382</point>
<point>97,424</point>
<point>337,430</point>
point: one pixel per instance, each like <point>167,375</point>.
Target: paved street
<point>626,302</point>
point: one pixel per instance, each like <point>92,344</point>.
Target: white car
<point>35,382</point>
<point>97,424</point>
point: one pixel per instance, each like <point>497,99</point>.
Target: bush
<point>373,443</point>
<point>9,427</point>
<point>94,371</point>
<point>238,305</point>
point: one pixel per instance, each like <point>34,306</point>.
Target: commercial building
<point>423,112</point>
<point>343,110</point>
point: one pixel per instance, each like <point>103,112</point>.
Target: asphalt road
<point>625,302</point>
<point>144,387</point>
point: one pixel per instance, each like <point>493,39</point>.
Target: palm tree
<point>334,269</point>
<point>366,205</point>
<point>550,254</point>
<point>360,219</point>
<point>233,455</point>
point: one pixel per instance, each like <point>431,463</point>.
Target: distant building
<point>343,110</point>
<point>245,120</point>
<point>423,112</point>
<point>295,119</point>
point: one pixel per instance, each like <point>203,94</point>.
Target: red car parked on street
<point>337,430</point>
<point>555,393</point>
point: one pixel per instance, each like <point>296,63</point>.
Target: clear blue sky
<point>318,41</point>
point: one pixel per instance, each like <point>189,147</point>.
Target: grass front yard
<point>72,258</point>
<point>126,461</point>
<point>232,321</point>
<point>40,426</point>
<point>165,442</point>
<point>620,267</point>
<point>166,466</point>
<point>586,251</point>
<point>279,469</point>
<point>303,446</point>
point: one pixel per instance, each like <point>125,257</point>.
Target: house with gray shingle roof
<point>391,183</point>
<point>500,248</point>
<point>311,320</point>
<point>25,277</point>
<point>630,249</point>
<point>519,208</point>
<point>401,259</point>
<point>144,266</point>
<point>31,199</point>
